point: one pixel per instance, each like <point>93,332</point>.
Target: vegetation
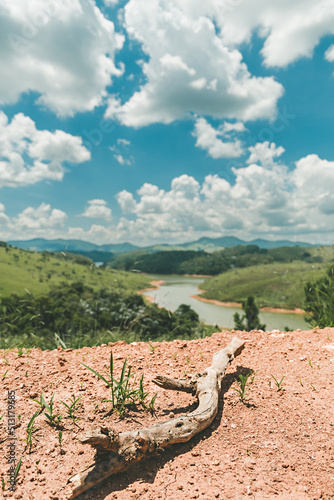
<point>243,388</point>
<point>124,393</point>
<point>75,315</point>
<point>250,320</point>
<point>38,273</point>
<point>201,262</point>
<point>273,285</point>
<point>319,300</point>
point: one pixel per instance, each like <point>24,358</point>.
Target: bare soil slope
<point>279,444</point>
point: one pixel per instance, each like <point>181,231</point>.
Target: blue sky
<point>155,121</point>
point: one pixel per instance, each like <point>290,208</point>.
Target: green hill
<point>273,284</point>
<point>22,270</point>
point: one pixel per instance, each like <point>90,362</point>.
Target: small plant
<point>17,469</point>
<point>313,388</point>
<point>175,356</point>
<point>301,383</point>
<point>152,402</point>
<point>3,484</point>
<point>53,418</point>
<point>60,439</point>
<point>310,363</point>
<point>72,407</point>
<point>122,393</point>
<point>20,351</point>
<point>278,383</point>
<point>1,417</point>
<point>31,430</point>
<point>4,375</point>
<point>243,382</point>
<point>152,348</point>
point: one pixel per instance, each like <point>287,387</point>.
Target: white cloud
<point>121,152</point>
<point>28,155</point>
<point>264,199</point>
<point>62,50</point>
<point>35,221</point>
<point>180,77</point>
<point>265,153</point>
<point>208,139</point>
<point>290,30</point>
<point>3,217</point>
<point>329,54</point>
<point>97,209</point>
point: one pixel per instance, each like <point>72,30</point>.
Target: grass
<point>123,392</point>
<point>72,407</point>
<point>243,388</point>
<point>273,285</point>
<point>53,418</point>
<point>278,383</point>
<point>22,271</point>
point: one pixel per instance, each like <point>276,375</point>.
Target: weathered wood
<point>122,450</point>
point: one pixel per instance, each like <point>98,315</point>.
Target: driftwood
<point>116,452</point>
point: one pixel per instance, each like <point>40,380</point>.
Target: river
<point>178,290</point>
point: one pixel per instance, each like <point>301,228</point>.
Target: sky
<point>163,121</point>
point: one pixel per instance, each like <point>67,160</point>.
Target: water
<point>179,290</point>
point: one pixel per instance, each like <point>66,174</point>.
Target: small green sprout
<point>4,375</point>
<point>314,389</point>
<point>123,395</point>
<point>278,383</point>
<point>53,418</point>
<point>301,383</point>
<point>3,484</point>
<point>151,346</point>
<point>17,469</point>
<point>310,363</point>
<point>72,407</point>
<point>242,390</point>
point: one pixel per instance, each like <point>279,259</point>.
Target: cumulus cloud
<point>266,199</point>
<point>121,153</point>
<point>29,155</point>
<point>38,221</point>
<point>265,153</point>
<point>290,30</point>
<point>329,54</point>
<point>180,77</point>
<point>3,217</point>
<point>208,139</point>
<point>97,209</point>
<point>62,50</point>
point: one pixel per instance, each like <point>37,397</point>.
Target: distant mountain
<point>40,245</point>
<point>207,244</point>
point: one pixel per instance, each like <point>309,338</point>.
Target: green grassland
<point>273,285</point>
<point>37,273</point>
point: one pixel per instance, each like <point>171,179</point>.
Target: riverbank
<point>278,310</point>
<point>156,285</point>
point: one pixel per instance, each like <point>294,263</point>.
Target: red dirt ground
<point>279,444</point>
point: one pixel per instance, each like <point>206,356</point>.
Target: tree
<point>251,315</point>
<point>319,300</point>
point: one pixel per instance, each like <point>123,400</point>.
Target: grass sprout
<point>73,407</point>
<point>278,383</point>
<point>53,418</point>
<point>242,389</point>
<point>123,392</point>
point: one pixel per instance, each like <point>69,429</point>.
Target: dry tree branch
<point>124,449</point>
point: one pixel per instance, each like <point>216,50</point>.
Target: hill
<point>278,284</point>
<point>22,270</point>
<point>278,444</point>
<point>206,244</point>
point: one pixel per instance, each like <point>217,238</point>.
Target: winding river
<point>178,290</point>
